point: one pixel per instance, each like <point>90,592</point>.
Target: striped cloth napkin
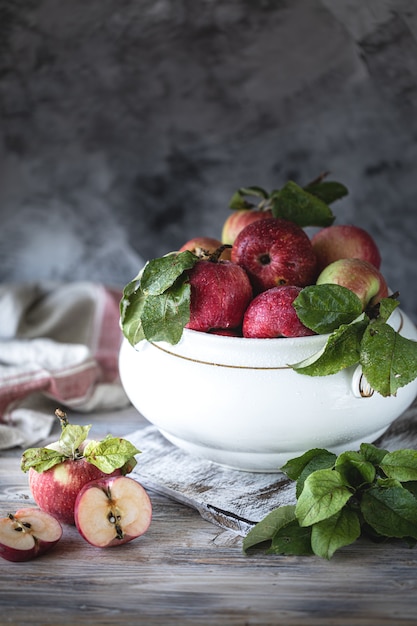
<point>58,342</point>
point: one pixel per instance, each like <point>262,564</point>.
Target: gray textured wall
<point>127,124</point>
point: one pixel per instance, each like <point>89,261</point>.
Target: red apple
<point>204,246</point>
<point>239,219</point>
<point>361,277</point>
<point>27,534</point>
<point>275,252</point>
<point>112,511</point>
<point>55,490</point>
<point>227,332</point>
<point>344,241</point>
<point>271,314</point>
<point>59,471</point>
<point>220,293</point>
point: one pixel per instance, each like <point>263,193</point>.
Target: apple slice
<point>27,534</point>
<point>112,511</point>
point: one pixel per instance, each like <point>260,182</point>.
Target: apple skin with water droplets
<point>220,294</point>
<point>275,252</point>
<point>344,241</point>
<point>272,314</point>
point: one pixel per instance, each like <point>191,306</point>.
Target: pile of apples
<point>245,283</point>
<point>107,508</point>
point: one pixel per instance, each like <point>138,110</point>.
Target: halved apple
<point>112,511</point>
<point>27,534</point>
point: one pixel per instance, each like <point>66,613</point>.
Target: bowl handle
<point>360,386</point>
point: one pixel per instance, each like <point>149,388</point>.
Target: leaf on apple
<point>111,453</point>
<point>71,438</point>
<point>342,350</point>
<point>41,459</point>
<point>160,274</point>
<point>323,308</point>
<point>156,304</point>
<point>239,202</point>
<point>295,204</point>
<point>328,191</point>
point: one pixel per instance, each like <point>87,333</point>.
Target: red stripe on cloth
<point>65,386</point>
<point>110,335</point>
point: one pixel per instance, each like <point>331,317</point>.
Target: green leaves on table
<point>388,360</point>
<point>370,492</point>
<point>306,206</point>
<point>156,304</point>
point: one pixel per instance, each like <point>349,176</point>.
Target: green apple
<point>360,276</point>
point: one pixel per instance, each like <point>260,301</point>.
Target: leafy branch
<point>388,360</point>
<point>306,206</point>
<point>370,493</point>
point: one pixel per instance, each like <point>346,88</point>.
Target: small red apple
<point>112,511</point>
<point>361,277</point>
<point>344,241</point>
<point>239,219</point>
<point>27,534</point>
<point>58,472</point>
<point>201,246</point>
<point>272,314</point>
<point>220,293</point>
<point>55,490</point>
<point>275,252</point>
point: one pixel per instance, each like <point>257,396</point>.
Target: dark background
<point>125,126</point>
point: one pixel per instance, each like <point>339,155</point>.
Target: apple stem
<point>62,416</point>
<point>215,256</point>
<point>318,179</point>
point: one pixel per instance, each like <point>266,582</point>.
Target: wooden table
<point>187,571</point>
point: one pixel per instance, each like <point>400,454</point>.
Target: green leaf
<point>293,468</point>
<point>292,539</point>
<point>372,453</point>
<point>41,459</point>
<point>72,436</point>
<point>110,453</point>
<point>341,529</point>
<point>400,464</point>
<point>323,308</point>
<point>328,191</point>
<point>325,492</point>
<point>391,511</point>
<point>342,350</point>
<point>326,460</point>
<point>389,361</point>
<point>298,205</point>
<point>160,274</point>
<point>386,307</point>
<point>238,201</point>
<point>131,319</point>
<point>265,529</point>
<point>355,469</point>
<point>164,317</point>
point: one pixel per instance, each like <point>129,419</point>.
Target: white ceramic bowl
<point>236,402</point>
